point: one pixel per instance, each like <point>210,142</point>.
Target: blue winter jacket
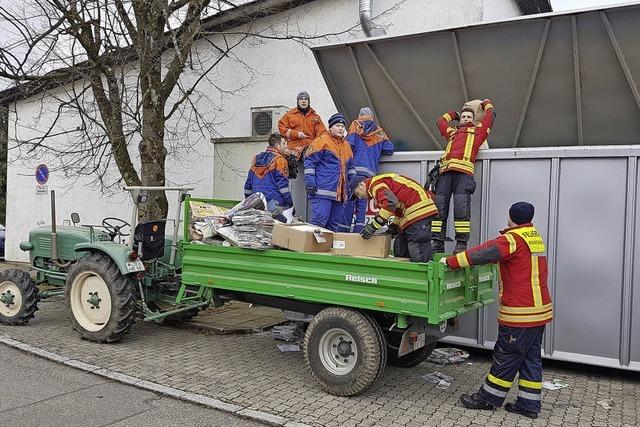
<point>328,167</point>
<point>269,175</point>
<point>368,143</point>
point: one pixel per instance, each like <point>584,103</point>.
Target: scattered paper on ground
<point>554,384</point>
<point>448,356</point>
<point>606,403</point>
<point>285,348</point>
<point>441,380</point>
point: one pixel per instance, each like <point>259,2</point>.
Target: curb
<point>198,399</point>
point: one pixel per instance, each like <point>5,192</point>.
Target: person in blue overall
<point>328,169</point>
<point>269,174</point>
<point>368,142</point>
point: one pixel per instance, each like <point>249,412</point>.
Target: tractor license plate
<point>136,265</point>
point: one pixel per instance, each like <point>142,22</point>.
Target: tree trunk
<point>152,150</point>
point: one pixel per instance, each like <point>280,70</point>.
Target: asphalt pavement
<point>39,392</point>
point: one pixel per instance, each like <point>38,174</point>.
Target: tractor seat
<point>148,239</point>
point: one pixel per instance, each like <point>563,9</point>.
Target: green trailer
<point>367,312</point>
<point>362,313</point>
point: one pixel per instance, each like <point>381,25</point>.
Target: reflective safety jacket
<point>463,142</point>
<point>269,175</point>
<point>400,196</point>
<point>293,122</point>
<point>328,166</point>
<point>524,296</point>
<point>368,143</point>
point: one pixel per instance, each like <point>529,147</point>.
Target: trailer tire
<point>356,341</point>
<point>409,360</point>
<point>20,297</point>
<point>97,276</point>
<point>382,342</point>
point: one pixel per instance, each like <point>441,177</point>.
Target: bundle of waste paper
<point>448,356</point>
<point>292,332</point>
<point>248,224</point>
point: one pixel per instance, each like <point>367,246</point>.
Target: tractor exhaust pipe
<point>54,235</point>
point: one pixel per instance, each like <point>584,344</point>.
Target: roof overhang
<point>556,79</point>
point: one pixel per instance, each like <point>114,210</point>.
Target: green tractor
<point>109,274</point>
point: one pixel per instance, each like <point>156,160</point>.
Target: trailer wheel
<point>408,360</point>
<point>100,300</point>
<point>18,297</point>
<point>343,351</point>
<point>382,342</point>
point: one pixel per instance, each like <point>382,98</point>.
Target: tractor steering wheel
<point>114,226</point>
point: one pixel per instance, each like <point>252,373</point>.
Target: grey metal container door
<point>586,206</point>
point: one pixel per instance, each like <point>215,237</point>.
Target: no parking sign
<point>42,176</point>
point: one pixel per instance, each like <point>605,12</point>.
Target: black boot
<point>460,247</point>
<point>474,402</point>
<point>437,247</point>
<point>514,408</point>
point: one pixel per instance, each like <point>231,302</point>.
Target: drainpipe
<point>368,26</point>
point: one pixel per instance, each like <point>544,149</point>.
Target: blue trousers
<point>328,214</point>
<point>357,209</point>
<point>517,351</point>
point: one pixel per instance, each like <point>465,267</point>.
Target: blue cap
<point>337,118</point>
<point>521,212</point>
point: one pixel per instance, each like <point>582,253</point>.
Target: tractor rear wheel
<point>344,351</point>
<point>18,297</point>
<point>409,360</point>
<point>100,299</point>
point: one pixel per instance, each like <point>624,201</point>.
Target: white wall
<point>264,72</point>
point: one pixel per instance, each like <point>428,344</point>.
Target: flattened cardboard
<point>302,237</point>
<point>354,245</point>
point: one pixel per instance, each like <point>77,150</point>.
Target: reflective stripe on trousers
<point>518,351</point>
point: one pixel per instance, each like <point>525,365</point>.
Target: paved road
<point>248,370</point>
<point>38,392</point>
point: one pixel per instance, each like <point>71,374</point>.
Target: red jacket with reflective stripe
<point>293,122</point>
<point>463,142</point>
<point>400,196</point>
<point>524,295</point>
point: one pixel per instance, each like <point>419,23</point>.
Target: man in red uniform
<point>300,125</point>
<point>525,307</point>
<point>412,209</point>
<point>456,173</point>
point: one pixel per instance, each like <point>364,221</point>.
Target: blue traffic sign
<point>42,174</point>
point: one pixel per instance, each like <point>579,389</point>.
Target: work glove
<point>371,227</point>
<point>311,191</point>
<point>394,229</point>
<point>443,261</point>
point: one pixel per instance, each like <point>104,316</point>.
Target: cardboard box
<point>353,244</point>
<point>302,237</point>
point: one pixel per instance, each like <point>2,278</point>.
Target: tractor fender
<point>117,252</point>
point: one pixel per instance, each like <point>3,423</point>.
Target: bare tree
<point>119,67</point>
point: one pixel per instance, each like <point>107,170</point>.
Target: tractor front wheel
<point>18,297</point>
<point>100,299</point>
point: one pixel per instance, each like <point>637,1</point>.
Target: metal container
<point>565,88</point>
